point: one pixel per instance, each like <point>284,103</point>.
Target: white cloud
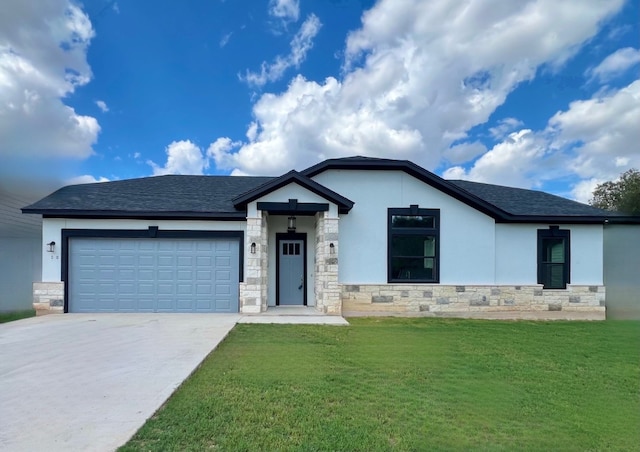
<point>43,48</point>
<point>102,106</point>
<point>183,157</point>
<point>510,162</point>
<point>287,10</point>
<point>602,133</point>
<point>225,39</point>
<point>593,141</point>
<point>417,77</point>
<point>301,43</point>
<point>583,190</point>
<point>85,179</point>
<point>464,152</point>
<point>504,127</point>
<point>615,64</point>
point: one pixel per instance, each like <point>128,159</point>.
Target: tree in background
<point>622,195</point>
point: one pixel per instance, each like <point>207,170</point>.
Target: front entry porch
<point>291,267</point>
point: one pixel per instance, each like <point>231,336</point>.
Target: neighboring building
<point>351,236</point>
<point>20,253</point>
<point>622,270</point>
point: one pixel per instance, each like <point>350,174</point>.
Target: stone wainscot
<point>531,301</point>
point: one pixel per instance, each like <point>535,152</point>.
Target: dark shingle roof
<point>224,197</point>
<point>518,201</point>
<point>172,195</point>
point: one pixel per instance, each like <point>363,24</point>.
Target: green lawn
<point>16,315</point>
<point>410,384</point>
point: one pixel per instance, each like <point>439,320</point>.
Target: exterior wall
<point>20,265</point>
<point>48,292</point>
<point>467,237</point>
<point>517,251</point>
<point>622,271</point>
<point>52,231</point>
<point>291,191</point>
<point>530,301</point>
<point>485,268</point>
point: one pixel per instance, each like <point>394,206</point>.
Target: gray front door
<point>291,282</point>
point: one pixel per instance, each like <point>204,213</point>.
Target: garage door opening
<point>153,275</point>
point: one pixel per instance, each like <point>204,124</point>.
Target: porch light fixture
<point>291,227</point>
<point>51,247</point>
<point>253,248</point>
<point>332,248</point>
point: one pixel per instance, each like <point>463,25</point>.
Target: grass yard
<point>410,384</point>
<point>16,315</point>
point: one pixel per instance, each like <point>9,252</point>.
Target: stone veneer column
<point>253,291</point>
<point>327,290</point>
<point>48,297</point>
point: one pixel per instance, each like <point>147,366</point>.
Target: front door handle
<point>301,283</point>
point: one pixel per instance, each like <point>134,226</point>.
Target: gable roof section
<point>344,204</point>
<point>504,204</point>
<point>170,196</point>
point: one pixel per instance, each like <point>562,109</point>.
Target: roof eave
<point>555,219</point>
<point>146,215</point>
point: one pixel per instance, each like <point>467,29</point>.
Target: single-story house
<point>350,236</point>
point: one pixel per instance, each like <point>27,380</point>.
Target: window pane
<point>413,245</point>
<point>284,249</point>
<point>412,268</point>
<point>412,221</point>
<point>553,250</point>
<point>554,276</point>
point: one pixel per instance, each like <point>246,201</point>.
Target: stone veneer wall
<point>473,301</point>
<point>327,289</point>
<point>253,291</point>
<point>48,297</point>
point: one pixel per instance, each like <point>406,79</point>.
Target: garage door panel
<point>223,289</point>
<point>204,275</point>
<point>204,261</point>
<point>153,275</point>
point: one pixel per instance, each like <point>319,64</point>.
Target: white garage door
<point>153,275</point>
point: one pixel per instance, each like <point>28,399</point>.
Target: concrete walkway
<point>88,382</point>
<point>293,314</point>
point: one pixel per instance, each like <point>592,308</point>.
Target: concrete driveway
<point>89,381</point>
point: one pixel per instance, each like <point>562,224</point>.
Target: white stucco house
<point>350,236</point>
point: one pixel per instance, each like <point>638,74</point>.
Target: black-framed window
<point>413,245</point>
<point>554,258</point>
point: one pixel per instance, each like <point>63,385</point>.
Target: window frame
<point>392,232</point>
<point>554,232</point>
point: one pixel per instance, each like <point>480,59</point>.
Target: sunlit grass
<point>410,384</point>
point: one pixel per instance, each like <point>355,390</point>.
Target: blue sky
<point>535,94</point>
